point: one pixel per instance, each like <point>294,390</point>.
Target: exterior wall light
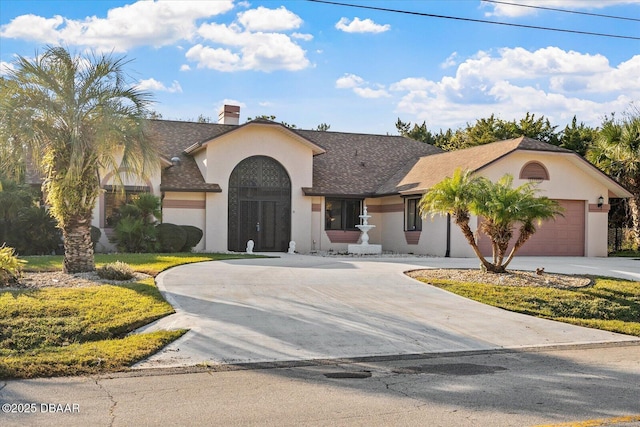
<point>600,201</point>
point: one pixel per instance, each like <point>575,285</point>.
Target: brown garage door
<point>563,237</point>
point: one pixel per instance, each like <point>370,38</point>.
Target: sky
<point>349,66</point>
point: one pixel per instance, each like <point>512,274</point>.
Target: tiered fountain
<point>364,248</point>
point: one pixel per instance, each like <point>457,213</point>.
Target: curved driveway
<point>300,307</point>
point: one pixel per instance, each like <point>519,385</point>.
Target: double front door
<point>259,206</point>
<point>259,222</point>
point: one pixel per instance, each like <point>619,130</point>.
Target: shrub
<point>35,232</point>
<point>171,237</point>
<point>135,226</point>
<point>95,236</point>
<point>133,235</point>
<point>194,235</point>
<point>10,266</point>
<point>116,271</point>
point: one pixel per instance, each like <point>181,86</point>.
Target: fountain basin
<point>365,249</point>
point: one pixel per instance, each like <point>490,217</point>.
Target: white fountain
<point>364,248</point>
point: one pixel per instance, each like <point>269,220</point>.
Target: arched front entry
<point>259,205</point>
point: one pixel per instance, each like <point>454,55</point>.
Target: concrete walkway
<point>300,307</point>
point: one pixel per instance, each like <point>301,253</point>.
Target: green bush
<point>171,237</point>
<point>135,227</point>
<point>116,271</point>
<point>133,235</point>
<point>10,266</point>
<point>95,236</point>
<point>194,235</point>
<point>35,232</point>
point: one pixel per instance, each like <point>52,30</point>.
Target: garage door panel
<point>564,236</point>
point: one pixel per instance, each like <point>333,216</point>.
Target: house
<point>265,182</point>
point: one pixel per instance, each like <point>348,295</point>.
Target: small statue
<point>292,247</point>
<point>250,246</point>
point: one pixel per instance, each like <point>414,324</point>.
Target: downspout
<point>447,254</point>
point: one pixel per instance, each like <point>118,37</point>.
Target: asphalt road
<point>578,387</point>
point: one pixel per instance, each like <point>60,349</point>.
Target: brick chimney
<point>229,115</point>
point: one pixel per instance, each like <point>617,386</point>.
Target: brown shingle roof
<point>360,164</point>
<point>432,169</point>
<point>353,164</point>
<point>173,137</point>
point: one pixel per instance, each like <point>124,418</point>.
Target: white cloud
<point>263,19</point>
<point>154,85</point>
<point>360,87</point>
<point>511,82</point>
<point>155,23</point>
<point>246,50</point>
<point>361,26</point>
<point>366,92</point>
<point>451,61</point>
<point>349,81</point>
<point>500,9</point>
<point>5,67</point>
<point>301,36</point>
<point>185,67</point>
<point>216,59</point>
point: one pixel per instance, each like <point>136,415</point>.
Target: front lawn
<point>609,304</point>
<point>72,331</point>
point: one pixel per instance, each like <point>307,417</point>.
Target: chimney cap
<point>229,115</point>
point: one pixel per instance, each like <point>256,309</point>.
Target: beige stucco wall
<point>568,180</point>
<point>184,208</point>
<point>223,154</point>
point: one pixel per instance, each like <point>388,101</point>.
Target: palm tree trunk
<point>463,223</point>
<point>78,248</point>
<point>634,208</point>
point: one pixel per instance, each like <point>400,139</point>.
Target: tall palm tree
<point>616,151</point>
<point>502,207</point>
<point>78,117</point>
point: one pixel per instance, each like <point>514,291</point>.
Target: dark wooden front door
<point>259,206</point>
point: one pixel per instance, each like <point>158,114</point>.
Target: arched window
<point>534,171</point>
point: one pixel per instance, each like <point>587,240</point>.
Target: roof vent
<point>229,115</point>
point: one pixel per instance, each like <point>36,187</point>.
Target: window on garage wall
<point>534,171</point>
<point>342,214</point>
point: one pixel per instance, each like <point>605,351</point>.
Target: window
<point>534,171</point>
<point>342,214</point>
<point>413,221</point>
<point>113,199</point>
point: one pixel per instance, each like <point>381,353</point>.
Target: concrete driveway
<point>300,307</point>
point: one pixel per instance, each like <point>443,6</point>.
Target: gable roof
<point>345,164</point>
<point>235,128</point>
<point>430,170</point>
<point>172,138</point>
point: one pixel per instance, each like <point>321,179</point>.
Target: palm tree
<point>79,118</point>
<point>456,196</point>
<point>501,206</point>
<point>616,151</point>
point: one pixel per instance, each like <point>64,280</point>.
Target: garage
<point>564,236</point>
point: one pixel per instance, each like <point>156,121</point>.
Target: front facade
<point>264,182</point>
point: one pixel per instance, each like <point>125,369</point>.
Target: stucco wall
<point>568,180</point>
<point>224,153</point>
<point>183,208</point>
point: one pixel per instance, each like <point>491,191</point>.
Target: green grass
<point>626,253</point>
<point>144,263</point>
<point>609,304</point>
<point>72,331</point>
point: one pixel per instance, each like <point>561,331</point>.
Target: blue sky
<point>356,69</point>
